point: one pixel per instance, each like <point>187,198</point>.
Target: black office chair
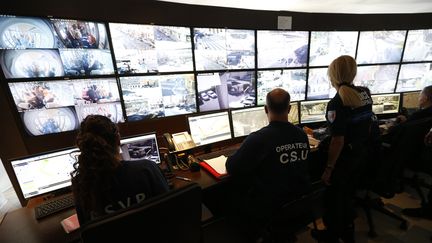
<point>172,217</point>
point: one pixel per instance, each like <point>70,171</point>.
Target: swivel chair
<point>171,217</point>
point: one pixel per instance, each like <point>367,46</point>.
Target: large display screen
<point>418,46</point>
<point>313,111</point>
<point>292,80</point>
<point>217,49</point>
<point>385,104</point>
<point>147,97</point>
<point>41,47</point>
<point>379,79</point>
<point>413,77</point>
<point>151,48</point>
<point>380,46</point>
<point>278,49</point>
<point>210,128</point>
<point>58,106</point>
<point>226,90</point>
<point>319,85</point>
<point>326,46</point>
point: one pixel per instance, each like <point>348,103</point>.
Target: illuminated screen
<point>147,97</point>
<point>210,128</point>
<point>151,48</point>
<point>379,79</point>
<point>45,173</point>
<point>413,77</point>
<point>313,111</point>
<point>41,47</point>
<point>277,49</point>
<point>418,46</point>
<point>293,115</point>
<point>411,100</point>
<point>226,90</point>
<point>319,85</point>
<point>246,121</point>
<point>140,147</point>
<point>327,46</point>
<point>217,49</point>
<point>384,104</point>
<point>57,106</point>
<point>293,81</point>
<point>380,46</point>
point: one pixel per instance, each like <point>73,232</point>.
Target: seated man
<point>270,168</point>
<point>425,104</point>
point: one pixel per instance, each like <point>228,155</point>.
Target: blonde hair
<point>342,72</point>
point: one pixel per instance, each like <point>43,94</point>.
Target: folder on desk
<point>215,166</point>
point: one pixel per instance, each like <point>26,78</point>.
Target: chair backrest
<point>172,217</point>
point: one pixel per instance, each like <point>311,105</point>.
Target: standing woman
<point>101,182</point>
<point>349,117</point>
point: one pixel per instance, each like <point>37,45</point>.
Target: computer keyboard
<point>53,206</point>
<point>227,152</point>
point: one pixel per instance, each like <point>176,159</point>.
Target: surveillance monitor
<point>292,80</point>
<point>210,128</point>
<point>147,97</point>
<point>313,111</point>
<point>410,101</point>
<point>379,79</point>
<point>246,121</point>
<point>414,77</point>
<point>418,46</point>
<point>279,49</point>
<point>293,115</point>
<point>385,104</point>
<point>86,62</point>
<point>319,85</point>
<point>139,147</point>
<point>380,46</point>
<point>326,46</point>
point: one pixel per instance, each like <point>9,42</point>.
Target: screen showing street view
<point>293,115</point>
<point>380,46</point>
<point>418,46</point>
<point>379,79</point>
<point>147,97</point>
<point>327,46</point>
<point>277,49</point>
<point>246,121</point>
<point>293,81</point>
<point>383,104</point>
<point>150,48</point>
<point>319,85</point>
<point>210,128</point>
<point>217,49</point>
<point>414,77</point>
<point>411,100</point>
<point>225,90</point>
<point>140,147</point>
<point>313,111</point>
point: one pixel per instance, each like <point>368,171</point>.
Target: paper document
<point>218,164</point>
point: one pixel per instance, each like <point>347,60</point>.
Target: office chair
<point>172,217</point>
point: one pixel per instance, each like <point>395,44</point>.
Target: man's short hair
<point>278,101</point>
<point>428,92</point>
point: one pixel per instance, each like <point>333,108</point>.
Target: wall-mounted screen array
<point>60,70</point>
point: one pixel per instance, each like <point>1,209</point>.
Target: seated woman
<point>101,182</point>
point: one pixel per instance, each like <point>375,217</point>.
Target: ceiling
<point>323,6</point>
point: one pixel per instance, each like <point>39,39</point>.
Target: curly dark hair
<point>98,140</point>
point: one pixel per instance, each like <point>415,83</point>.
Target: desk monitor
<point>313,111</point>
<point>210,128</point>
<point>410,101</point>
<point>143,146</point>
<point>293,115</point>
<point>246,121</point>
<point>44,173</point>
<point>385,104</point>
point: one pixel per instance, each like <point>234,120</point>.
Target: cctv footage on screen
<point>293,81</point>
<point>141,149</point>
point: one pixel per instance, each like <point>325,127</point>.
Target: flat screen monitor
<point>380,46</point>
<point>147,97</point>
<point>379,79</point>
<point>410,101</point>
<point>385,104</point>
<point>44,173</point>
<point>326,46</point>
<point>293,115</point>
<point>279,49</point>
<point>413,77</point>
<point>418,46</point>
<point>225,90</point>
<point>246,121</point>
<point>313,111</point>
<point>218,49</point>
<point>319,85</point>
<point>140,147</point>
<point>151,48</point>
<point>32,47</point>
<point>292,80</point>
<point>210,128</point>
<point>57,106</point>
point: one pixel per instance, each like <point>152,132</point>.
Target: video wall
<point>58,71</point>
